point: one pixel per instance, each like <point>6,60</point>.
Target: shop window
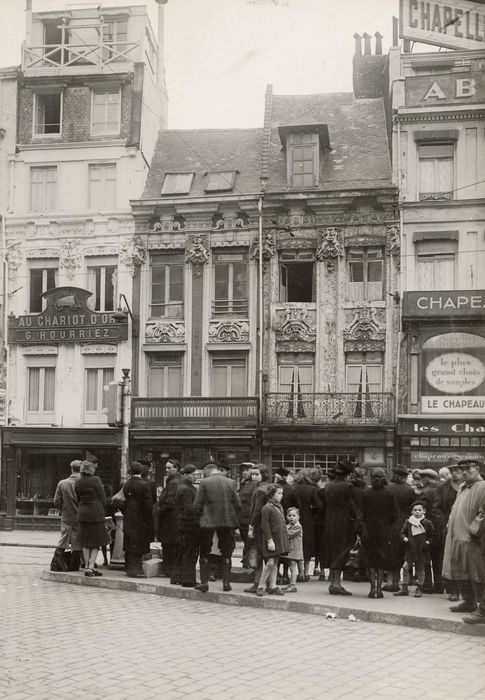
<point>230,284</point>
<point>295,383</point>
<point>167,286</point>
<point>102,282</point>
<point>47,113</point>
<point>363,376</point>
<point>43,188</point>
<point>41,373</point>
<point>307,460</point>
<point>435,170</point>
<point>177,183</point>
<point>41,279</point>
<point>366,273</point>
<point>297,276</point>
<point>229,374</point>
<point>165,375</point>
<point>99,372</point>
<point>106,112</point>
<point>303,160</point>
<point>102,186</point>
<point>435,264</point>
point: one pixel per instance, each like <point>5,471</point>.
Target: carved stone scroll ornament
<point>229,332</point>
<point>269,247</point>
<point>393,243</point>
<point>101,349</point>
<point>14,261</point>
<point>70,257</point>
<point>330,248</point>
<point>364,333</point>
<point>296,327</point>
<point>197,252</point>
<point>159,332</point>
<point>132,253</point>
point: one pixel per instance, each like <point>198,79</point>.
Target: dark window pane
<point>374,271</point>
<point>35,291</point>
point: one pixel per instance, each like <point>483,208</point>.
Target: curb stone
<point>268,603</point>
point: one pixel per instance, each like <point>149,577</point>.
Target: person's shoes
<point>212,578</point>
<point>402,592</point>
<point>418,592</point>
<point>275,591</point>
<point>316,571</point>
<point>290,589</point>
<point>259,592</point>
<point>321,577</point>
<point>475,619</point>
<point>300,579</point>
<point>97,573</point>
<point>453,597</point>
<point>202,587</point>
<point>307,578</point>
<point>251,589</point>
<point>372,594</point>
<point>379,593</point>
<point>390,588</point>
<point>427,589</point>
<point>188,585</point>
<point>338,590</point>
<point>464,606</point>
<point>438,589</point>
<point>89,572</point>
<point>226,587</point>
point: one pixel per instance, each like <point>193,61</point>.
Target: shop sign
<point>457,375</point>
<point>463,304</point>
<point>445,457</point>
<point>430,90</point>
<point>459,24</point>
<point>66,319</point>
<point>440,427</point>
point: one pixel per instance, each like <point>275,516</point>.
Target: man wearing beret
<point>188,527</point>
<point>217,505</point>
<point>464,560</point>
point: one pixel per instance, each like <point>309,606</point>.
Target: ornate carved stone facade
<point>229,331</point>
<point>70,256</point>
<point>159,332</point>
<point>133,253</point>
<point>295,329</point>
<point>101,349</point>
<point>197,252</point>
<point>40,350</point>
<point>330,248</point>
<point>365,332</point>
<point>269,247</point>
<point>393,243</point>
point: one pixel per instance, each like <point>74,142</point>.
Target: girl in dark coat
<point>91,516</point>
<point>275,539</point>
<point>379,512</point>
<point>416,533</point>
<point>137,521</point>
<point>340,525</point>
<point>310,507</point>
<point>261,475</point>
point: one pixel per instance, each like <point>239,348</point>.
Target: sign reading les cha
<point>459,24</point>
<point>469,304</point>
<point>66,319</point>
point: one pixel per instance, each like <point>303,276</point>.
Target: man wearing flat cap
<point>188,527</point>
<point>464,560</point>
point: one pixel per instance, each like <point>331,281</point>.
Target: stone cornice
<point>455,115</point>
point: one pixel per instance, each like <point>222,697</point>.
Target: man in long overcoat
<point>218,506</point>
<point>464,560</point>
<point>405,498</point>
<point>188,525</point>
<point>167,520</point>
<point>137,521</point>
<point>65,499</point>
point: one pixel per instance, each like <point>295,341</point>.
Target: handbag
<point>353,557</point>
<point>119,499</point>
<point>253,557</point>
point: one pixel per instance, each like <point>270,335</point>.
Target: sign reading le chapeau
<point>66,319</point>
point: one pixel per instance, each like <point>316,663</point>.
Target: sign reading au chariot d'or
<point>66,319</point>
<point>453,24</point>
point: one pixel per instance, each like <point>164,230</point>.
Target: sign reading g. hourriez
<point>459,24</point>
<point>66,319</point>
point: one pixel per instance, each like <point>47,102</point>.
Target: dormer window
<point>303,160</point>
<point>177,183</point>
<point>219,181</point>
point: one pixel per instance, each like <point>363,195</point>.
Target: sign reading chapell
<point>66,319</point>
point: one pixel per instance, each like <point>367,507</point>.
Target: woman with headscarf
<point>91,516</point>
<point>341,525</point>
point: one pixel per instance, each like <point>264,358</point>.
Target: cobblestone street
<point>62,641</point>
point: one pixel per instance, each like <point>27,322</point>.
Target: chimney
<point>161,42</point>
<point>368,80</point>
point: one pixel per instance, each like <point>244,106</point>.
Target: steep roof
<point>207,150</point>
<point>357,132</point>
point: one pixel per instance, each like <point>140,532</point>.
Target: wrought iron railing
<point>330,408</point>
<point>239,412</point>
<point>64,55</point>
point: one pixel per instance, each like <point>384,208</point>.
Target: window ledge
<point>215,347</point>
<point>377,303</point>
<point>164,347</point>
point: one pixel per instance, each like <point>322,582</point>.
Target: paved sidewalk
<point>29,538</point>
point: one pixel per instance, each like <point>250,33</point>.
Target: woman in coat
<point>91,514</point>
<point>341,525</point>
<point>167,520</point>
<point>310,507</point>
<point>137,521</point>
<point>405,498</point>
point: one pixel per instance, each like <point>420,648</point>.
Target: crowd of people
<point>421,529</point>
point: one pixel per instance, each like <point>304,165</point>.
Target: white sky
<point>220,54</point>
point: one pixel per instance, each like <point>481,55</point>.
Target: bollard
<point>118,558</point>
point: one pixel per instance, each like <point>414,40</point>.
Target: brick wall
<point>368,76</point>
<point>76,122</point>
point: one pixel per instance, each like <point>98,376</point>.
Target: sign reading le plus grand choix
<point>66,319</point>
<point>457,24</point>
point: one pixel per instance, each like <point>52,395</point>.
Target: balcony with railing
<point>79,58</point>
<point>199,412</point>
<point>329,409</point>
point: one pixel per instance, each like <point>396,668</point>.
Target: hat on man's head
<point>188,469</point>
<point>344,467</point>
<point>400,470</point>
<point>470,462</point>
<point>283,471</point>
<point>429,473</point>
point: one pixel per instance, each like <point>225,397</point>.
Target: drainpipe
<point>125,423</point>
<point>401,228</point>
<point>260,303</point>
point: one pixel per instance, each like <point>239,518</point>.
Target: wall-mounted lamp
<point>395,295</point>
<point>122,314</point>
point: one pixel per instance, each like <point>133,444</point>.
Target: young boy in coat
<point>417,533</point>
